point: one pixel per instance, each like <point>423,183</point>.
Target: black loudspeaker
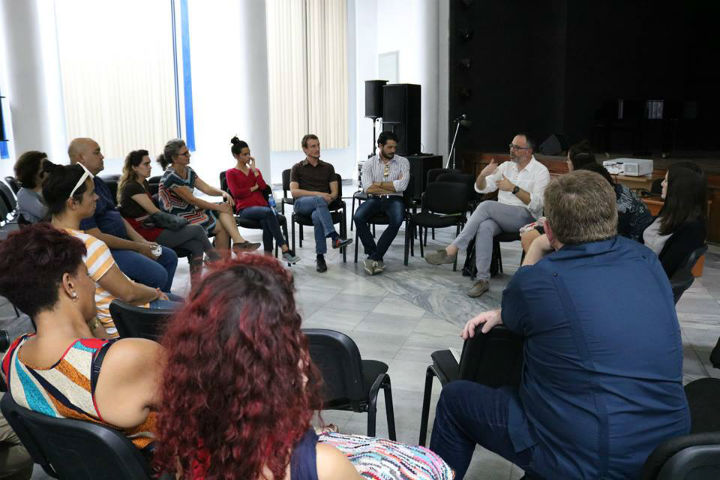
<point>374,98</point>
<point>419,166</point>
<point>555,144</point>
<point>401,115</point>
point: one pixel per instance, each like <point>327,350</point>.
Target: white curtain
<point>117,69</point>
<point>307,65</point>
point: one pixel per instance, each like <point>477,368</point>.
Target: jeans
<point>173,302</point>
<point>269,222</point>
<point>317,209</point>
<point>394,208</point>
<point>469,413</point>
<point>157,273</point>
<point>489,219</point>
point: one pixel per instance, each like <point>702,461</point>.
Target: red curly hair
<point>234,389</point>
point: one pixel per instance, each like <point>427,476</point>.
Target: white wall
<point>410,27</point>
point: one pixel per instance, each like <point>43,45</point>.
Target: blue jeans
<point>317,209</point>
<point>394,208</point>
<point>469,413</point>
<point>173,302</point>
<point>269,222</point>
<point>153,273</point>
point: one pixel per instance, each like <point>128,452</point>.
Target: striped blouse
<point>67,389</point>
<point>99,261</point>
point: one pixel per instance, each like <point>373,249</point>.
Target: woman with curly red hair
<point>239,388</point>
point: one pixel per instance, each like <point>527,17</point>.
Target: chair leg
<point>426,230</point>
<point>457,232</point>
<point>408,236</point>
<point>433,234</point>
<point>356,243</point>
<point>387,389</point>
<point>292,228</point>
<point>429,376</point>
<point>373,228</point>
<point>301,234</point>
<point>352,214</point>
<point>343,233</point>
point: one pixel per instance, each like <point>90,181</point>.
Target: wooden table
<point>635,184</point>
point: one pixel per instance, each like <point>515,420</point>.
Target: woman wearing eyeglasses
<point>70,195</point>
<point>246,185</point>
<point>30,171</point>
<point>136,205</point>
<point>176,197</point>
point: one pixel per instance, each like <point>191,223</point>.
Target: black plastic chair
<point>74,449</point>
<point>14,184</point>
<point>455,176</point>
<point>350,383</point>
<point>443,205</point>
<point>382,219</point>
<point>255,224</point>
<point>287,199</point>
<point>337,211</point>
<point>8,209</point>
<point>112,180</point>
<point>493,359</point>
<point>683,278</point>
<point>434,173</point>
<point>695,456</point>
<point>154,184</point>
<point>496,260</point>
<point>139,322</point>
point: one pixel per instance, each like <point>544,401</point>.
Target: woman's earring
<point>74,296</point>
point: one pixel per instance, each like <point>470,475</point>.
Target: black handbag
<point>165,220</point>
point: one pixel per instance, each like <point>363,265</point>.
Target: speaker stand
<point>451,155</point>
<point>372,153</point>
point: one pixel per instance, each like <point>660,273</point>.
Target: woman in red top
<point>246,185</point>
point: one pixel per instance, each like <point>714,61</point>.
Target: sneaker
<point>341,242</point>
<point>480,287</point>
<point>380,266</point>
<point>290,257</point>
<point>321,265</point>
<point>246,246</point>
<point>371,266</point>
<point>439,257</point>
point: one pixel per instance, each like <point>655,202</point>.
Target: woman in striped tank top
<point>70,195</point>
<point>61,371</point>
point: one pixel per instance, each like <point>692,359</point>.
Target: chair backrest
<point>8,196</point>
<point>683,278</point>
<point>338,358</point>
<point>223,182</point>
<point>434,173</point>
<point>75,449</point>
<point>14,184</point>
<point>445,198</point>
<point>138,322</point>
<point>494,359</point>
<point>112,182</point>
<point>154,184</point>
<point>286,182</point>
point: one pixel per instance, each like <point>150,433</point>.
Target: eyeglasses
<point>517,147</point>
<point>82,179</point>
<point>184,154</point>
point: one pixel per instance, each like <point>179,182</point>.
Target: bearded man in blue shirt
<point>601,384</point>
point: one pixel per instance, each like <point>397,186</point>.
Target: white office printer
<point>632,167</point>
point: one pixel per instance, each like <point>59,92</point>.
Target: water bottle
<point>271,202</point>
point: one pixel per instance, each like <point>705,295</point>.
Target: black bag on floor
<point>470,270</point>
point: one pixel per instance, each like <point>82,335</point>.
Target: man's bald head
<point>86,151</point>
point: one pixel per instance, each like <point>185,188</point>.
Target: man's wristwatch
<point>515,190</point>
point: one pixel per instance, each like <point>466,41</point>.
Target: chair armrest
<point>680,455</point>
<point>446,366</point>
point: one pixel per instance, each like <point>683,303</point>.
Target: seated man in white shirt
<point>521,182</point>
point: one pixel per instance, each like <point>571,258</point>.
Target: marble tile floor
<point>406,313</point>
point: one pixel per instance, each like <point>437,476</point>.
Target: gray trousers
<point>489,219</point>
<point>191,237</point>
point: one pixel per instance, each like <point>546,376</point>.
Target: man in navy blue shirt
<point>602,376</point>
<point>133,254</point>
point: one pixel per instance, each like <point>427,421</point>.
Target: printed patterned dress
<point>172,203</point>
<point>67,389</point>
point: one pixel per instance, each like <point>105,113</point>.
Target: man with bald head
<point>133,254</point>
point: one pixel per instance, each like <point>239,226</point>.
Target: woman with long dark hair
<point>136,206</point>
<point>680,227</point>
<point>246,185</point>
<point>176,195</point>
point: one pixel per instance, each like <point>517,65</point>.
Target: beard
<point>388,156</point>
